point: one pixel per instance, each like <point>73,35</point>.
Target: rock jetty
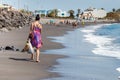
<point>13,19</point>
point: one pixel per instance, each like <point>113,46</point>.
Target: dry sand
<point>16,65</point>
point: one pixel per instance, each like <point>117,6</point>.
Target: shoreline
<point>87,64</point>
<point>16,64</point>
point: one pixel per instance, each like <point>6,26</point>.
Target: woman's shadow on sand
<point>20,59</point>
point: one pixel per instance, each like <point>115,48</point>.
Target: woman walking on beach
<point>35,37</point>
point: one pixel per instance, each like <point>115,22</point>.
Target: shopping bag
<point>31,49</point>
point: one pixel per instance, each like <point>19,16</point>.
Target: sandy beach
<point>16,65</point>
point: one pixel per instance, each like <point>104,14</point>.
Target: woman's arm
<point>30,32</point>
<point>31,28</point>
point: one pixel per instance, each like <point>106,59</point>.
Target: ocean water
<point>106,38</point>
<point>93,53</point>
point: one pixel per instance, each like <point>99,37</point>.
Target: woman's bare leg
<point>37,55</point>
<point>32,56</point>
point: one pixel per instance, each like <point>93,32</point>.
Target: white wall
<point>99,13</point>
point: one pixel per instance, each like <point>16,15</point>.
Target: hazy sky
<point>63,4</point>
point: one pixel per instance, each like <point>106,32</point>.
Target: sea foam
<point>104,44</point>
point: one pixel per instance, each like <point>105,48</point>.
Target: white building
<point>99,13</point>
<point>92,13</point>
<point>62,13</point>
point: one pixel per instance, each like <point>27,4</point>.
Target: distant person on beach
<point>51,21</point>
<point>74,24</point>
<point>35,37</point>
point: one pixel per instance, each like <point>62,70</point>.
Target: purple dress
<point>36,39</point>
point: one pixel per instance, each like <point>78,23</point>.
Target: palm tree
<point>78,13</point>
<point>113,10</point>
<point>51,14</point>
<point>71,12</point>
<point>102,9</point>
<point>55,11</point>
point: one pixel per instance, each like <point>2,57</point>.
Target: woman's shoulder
<point>39,25</point>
